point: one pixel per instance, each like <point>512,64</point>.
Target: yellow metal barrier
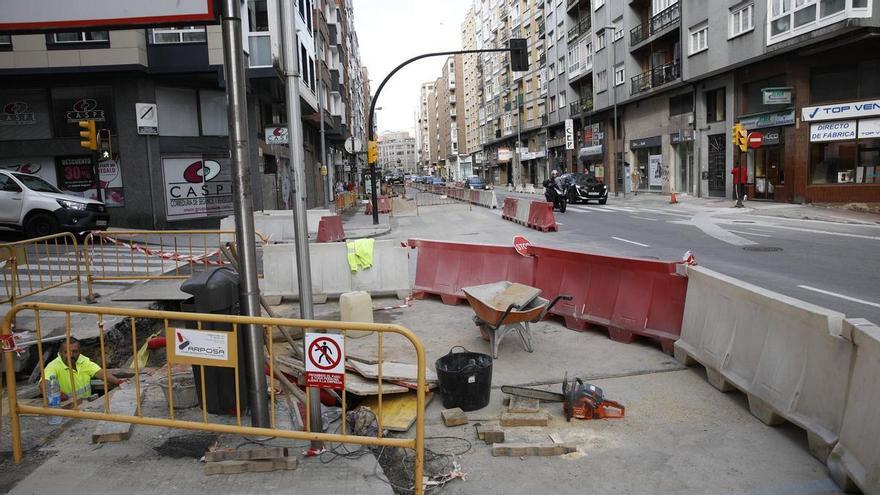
<point>153,254</point>
<point>37,265</point>
<point>345,200</point>
<point>236,324</point>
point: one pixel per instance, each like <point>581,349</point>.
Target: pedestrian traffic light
<point>105,151</point>
<point>519,55</point>
<point>740,137</point>
<point>89,136</point>
<point>372,151</point>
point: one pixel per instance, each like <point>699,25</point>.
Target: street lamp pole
<point>612,90</point>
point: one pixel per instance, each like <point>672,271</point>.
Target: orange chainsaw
<point>579,400</point>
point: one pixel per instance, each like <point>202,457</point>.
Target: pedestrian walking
<point>636,177</point>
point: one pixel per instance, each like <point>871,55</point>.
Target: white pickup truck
<point>31,204</point>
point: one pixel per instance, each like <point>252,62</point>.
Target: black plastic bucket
<point>465,379</point>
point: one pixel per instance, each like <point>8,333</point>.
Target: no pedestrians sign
<point>325,360</point>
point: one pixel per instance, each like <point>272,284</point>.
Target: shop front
<point>767,162</point>
<point>648,172</point>
<point>844,157</point>
<point>592,161</point>
<point>686,179</point>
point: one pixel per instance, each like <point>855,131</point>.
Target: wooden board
<point>123,403</point>
<point>356,384</point>
<point>490,434</point>
<point>361,356</point>
<point>398,411</point>
<point>238,467</point>
<point>540,418</point>
<point>259,454</point>
<point>532,449</point>
<point>391,371</point>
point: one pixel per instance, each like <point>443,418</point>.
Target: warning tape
<point>406,303</point>
<point>170,255</point>
<point>7,344</point>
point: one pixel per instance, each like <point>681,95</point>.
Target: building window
<point>618,31</point>
<point>184,34</point>
<point>619,74</point>
<point>5,42</point>
<point>552,104</point>
<point>597,4</point>
<point>600,40</point>
<point>845,162</point>
<point>661,5</point>
<point>789,18</point>
<point>845,82</point>
<point>551,72</point>
<point>699,39</point>
<point>602,81</point>
<point>715,105</point>
<point>79,39</point>
<point>742,20</point>
<point>561,65</point>
<point>681,104</point>
<point>562,100</point>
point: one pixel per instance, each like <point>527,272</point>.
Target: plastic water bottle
<point>54,392</point>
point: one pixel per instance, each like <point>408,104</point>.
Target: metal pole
<point>328,184</point>
<point>518,164</point>
<point>236,98</point>
<point>612,90</point>
<point>150,176</point>
<point>297,160</point>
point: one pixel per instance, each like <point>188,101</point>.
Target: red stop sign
<point>521,244</point>
<point>756,139</point>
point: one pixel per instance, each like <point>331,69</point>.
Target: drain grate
<point>762,249</point>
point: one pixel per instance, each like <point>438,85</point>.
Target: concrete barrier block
<point>277,225</point>
<point>530,189</point>
<point>855,459</point>
<point>392,275</point>
<point>519,188</point>
<point>522,212</point>
<point>789,356</point>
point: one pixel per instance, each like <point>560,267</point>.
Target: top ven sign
<point>42,15</point>
<point>841,111</point>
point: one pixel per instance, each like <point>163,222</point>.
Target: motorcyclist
<point>550,187</point>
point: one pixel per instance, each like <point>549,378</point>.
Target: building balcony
<point>658,25</point>
<point>656,77</point>
<point>580,107</point>
<point>571,4</point>
<point>583,26</point>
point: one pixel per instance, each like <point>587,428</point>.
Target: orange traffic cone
<point>672,199</point>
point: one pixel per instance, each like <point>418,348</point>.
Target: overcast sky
<point>391,31</point>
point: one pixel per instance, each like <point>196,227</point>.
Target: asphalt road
<point>834,265</point>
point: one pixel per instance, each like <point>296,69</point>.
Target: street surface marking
<point>814,231</point>
<point>841,296</point>
<point>631,242</point>
<point>660,212</point>
<point>578,210</point>
<point>749,233</point>
<point>643,218</point>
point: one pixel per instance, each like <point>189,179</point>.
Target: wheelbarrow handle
<point>505,315</point>
<point>553,303</point>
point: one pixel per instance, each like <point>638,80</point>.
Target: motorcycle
<point>557,194</point>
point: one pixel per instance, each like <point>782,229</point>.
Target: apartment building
<point>423,132</point>
<point>473,92</point>
<point>51,81</point>
<point>397,151</point>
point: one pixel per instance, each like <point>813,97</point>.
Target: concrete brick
<point>454,417</point>
<point>524,405</point>
<point>540,418</point>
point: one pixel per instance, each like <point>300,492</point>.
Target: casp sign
<point>197,187</point>
<point>521,244</point>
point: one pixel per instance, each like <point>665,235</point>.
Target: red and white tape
<point>406,303</point>
<point>204,259</point>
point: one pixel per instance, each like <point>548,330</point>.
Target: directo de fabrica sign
<point>839,130</point>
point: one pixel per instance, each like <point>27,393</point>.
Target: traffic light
<point>740,137</point>
<point>519,55</point>
<point>89,136</point>
<point>105,151</point>
<point>372,152</point>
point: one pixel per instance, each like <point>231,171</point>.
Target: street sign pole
<point>244,211</point>
<point>297,160</point>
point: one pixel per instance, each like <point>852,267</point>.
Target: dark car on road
<point>584,187</point>
<point>437,181</point>
<point>474,182</point>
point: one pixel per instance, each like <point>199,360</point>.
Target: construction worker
<point>83,368</point>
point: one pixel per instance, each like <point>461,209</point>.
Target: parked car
<point>31,204</point>
<point>395,179</point>
<point>474,182</point>
<point>437,181</point>
<point>584,187</point>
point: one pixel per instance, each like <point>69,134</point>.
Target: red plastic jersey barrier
<point>508,211</point>
<point>541,217</point>
<point>330,229</point>
<point>384,206</point>
<point>443,268</point>
<point>629,296</point>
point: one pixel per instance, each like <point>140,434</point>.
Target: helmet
<point>554,173</point>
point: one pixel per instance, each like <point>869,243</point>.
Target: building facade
<point>397,152</point>
<point>48,82</point>
<point>643,94</point>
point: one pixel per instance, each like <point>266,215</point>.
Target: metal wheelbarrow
<point>503,307</point>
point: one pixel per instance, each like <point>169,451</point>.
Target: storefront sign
<point>841,111</point>
<point>17,113</point>
<point>651,142</point>
<point>71,105</point>
<point>503,155</point>
<point>569,134</point>
<point>769,119</point>
<point>591,151</point>
<point>24,114</point>
<point>76,175</point>
<point>777,96</point>
<point>681,136</point>
<point>147,117</point>
<point>869,128</point>
<point>773,137</point>
<point>197,187</point>
<point>655,170</point>
<point>277,135</point>
<point>839,130</point>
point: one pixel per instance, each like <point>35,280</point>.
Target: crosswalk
<point>635,212</point>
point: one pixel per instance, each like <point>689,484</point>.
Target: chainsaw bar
<point>532,393</point>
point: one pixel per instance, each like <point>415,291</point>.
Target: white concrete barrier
<point>522,211</point>
<point>277,225</point>
<point>530,189</point>
<point>788,356</point>
<point>519,188</point>
<point>510,188</point>
<point>855,459</point>
<point>331,276</point>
